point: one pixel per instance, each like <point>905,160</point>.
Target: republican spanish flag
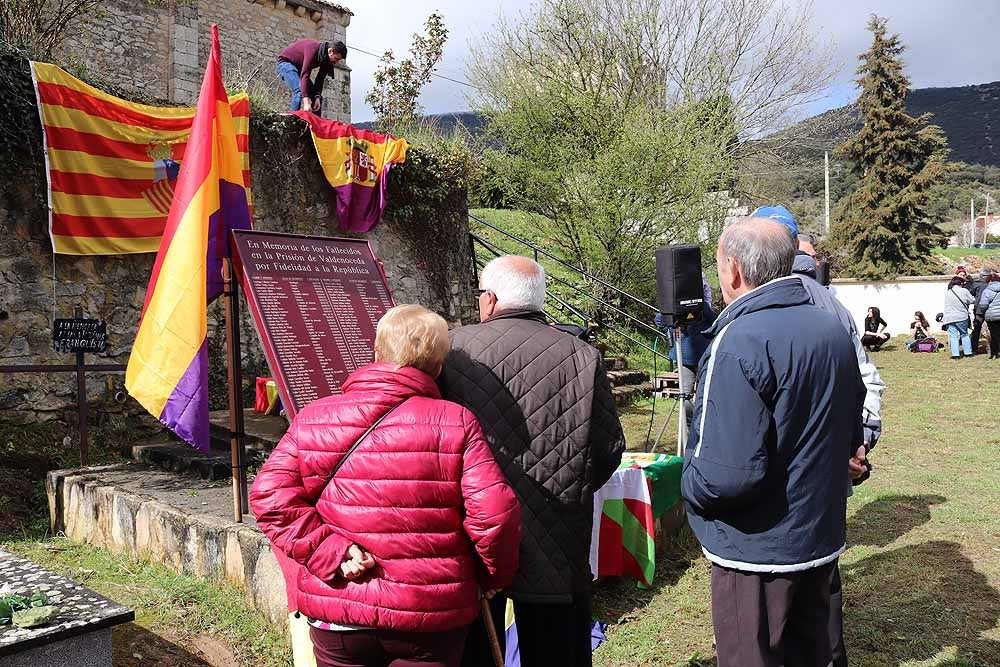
<point>168,369</point>
<point>112,165</point>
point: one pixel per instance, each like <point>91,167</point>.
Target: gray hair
<point>762,247</point>
<point>807,238</point>
<point>517,282</point>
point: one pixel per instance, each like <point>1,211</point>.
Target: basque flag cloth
<point>168,368</point>
<point>625,512</point>
<point>112,165</point>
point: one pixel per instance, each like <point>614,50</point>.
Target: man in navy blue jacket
<point>764,482</point>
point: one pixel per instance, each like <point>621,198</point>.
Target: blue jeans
<point>290,75</point>
<point>956,331</point>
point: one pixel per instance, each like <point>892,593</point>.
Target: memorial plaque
<point>77,334</point>
<point>315,302</point>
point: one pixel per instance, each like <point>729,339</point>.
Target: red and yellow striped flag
<point>112,165</point>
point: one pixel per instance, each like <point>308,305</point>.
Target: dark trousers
<point>875,340</point>
<point>548,635</point>
<point>772,620</point>
<point>994,338</point>
<point>977,332</point>
<point>837,620</point>
<point>387,648</point>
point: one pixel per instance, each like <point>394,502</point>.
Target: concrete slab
<point>262,431</point>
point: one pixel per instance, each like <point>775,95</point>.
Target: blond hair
<point>411,335</point>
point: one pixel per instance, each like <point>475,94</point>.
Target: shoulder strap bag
<point>347,454</point>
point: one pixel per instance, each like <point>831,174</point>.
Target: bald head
<point>512,282</point>
<point>752,252</point>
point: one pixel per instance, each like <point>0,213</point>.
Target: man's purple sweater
<point>305,55</point>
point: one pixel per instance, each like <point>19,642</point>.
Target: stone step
<point>627,394</point>
<point>615,363</point>
<point>262,431</point>
<point>622,378</point>
<point>170,518</point>
<point>182,457</point>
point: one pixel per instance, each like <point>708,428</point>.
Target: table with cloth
<point>625,512</point>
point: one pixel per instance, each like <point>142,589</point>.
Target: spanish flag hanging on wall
<point>168,369</point>
<point>356,163</point>
<point>113,165</point>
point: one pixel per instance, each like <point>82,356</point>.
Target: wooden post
<point>235,373</point>
<point>81,401</point>
<point>491,632</point>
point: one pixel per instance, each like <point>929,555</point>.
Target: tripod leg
<point>664,427</point>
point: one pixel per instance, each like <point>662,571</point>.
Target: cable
<point>439,76</point>
<point>652,415</point>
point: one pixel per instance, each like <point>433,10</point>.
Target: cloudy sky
<point>949,42</point>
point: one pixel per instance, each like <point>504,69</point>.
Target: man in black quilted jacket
<point>545,405</point>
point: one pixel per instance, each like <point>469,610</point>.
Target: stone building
<point>159,47</point>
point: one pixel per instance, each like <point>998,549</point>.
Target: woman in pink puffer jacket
<point>419,519</point>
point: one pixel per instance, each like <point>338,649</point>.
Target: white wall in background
<point>896,299</point>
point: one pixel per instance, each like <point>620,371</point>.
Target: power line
<point>439,76</point>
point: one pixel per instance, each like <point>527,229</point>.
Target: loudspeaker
<point>678,283</point>
<point>823,273</point>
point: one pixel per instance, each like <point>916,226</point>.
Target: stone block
<point>18,347</point>
<point>186,59</point>
<point>233,566</point>
<point>104,515</point>
<point>267,587</point>
<point>123,525</point>
<point>143,534</point>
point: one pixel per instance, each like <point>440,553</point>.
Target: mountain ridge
<point>968,115</point>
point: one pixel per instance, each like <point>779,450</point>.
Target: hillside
<point>447,123</point>
<point>969,116</point>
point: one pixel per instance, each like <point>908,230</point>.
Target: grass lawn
<point>180,621</point>
<point>955,254</point>
<point>922,571</point>
<point>921,575</point>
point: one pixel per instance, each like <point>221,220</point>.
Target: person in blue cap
<point>805,267</point>
<point>778,214</point>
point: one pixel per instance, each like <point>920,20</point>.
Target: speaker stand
<point>679,401</point>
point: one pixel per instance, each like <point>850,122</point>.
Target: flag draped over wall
<point>113,165</point>
<point>168,369</point>
<point>356,163</point>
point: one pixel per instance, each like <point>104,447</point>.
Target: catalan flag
<point>112,165</point>
<point>356,163</point>
<point>168,369</point>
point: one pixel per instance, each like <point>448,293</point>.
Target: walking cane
<point>491,631</point>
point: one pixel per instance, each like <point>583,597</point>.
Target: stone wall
<point>426,260</point>
<point>159,47</point>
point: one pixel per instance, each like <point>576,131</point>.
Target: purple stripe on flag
<point>233,213</point>
<point>186,411</point>
<point>360,207</point>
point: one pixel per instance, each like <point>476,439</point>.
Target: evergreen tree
<point>885,227</point>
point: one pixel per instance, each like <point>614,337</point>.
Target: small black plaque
<point>77,334</point>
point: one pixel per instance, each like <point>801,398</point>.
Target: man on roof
<point>295,66</point>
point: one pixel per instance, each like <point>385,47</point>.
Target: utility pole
<point>826,175</point>
<point>986,216</point>
<point>972,221</point>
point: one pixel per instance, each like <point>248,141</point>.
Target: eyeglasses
<point>479,292</point>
